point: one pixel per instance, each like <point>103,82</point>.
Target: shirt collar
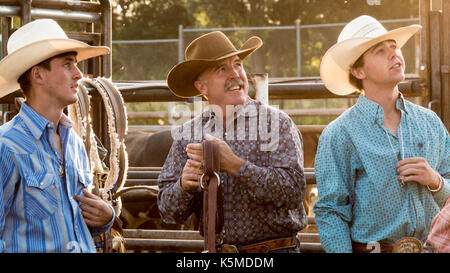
<point>400,103</point>
<point>37,123</point>
<point>245,109</point>
<point>373,111</point>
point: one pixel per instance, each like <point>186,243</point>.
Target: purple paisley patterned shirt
<point>264,198</point>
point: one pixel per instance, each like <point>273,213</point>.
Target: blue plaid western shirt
<point>360,197</point>
<point>37,210</point>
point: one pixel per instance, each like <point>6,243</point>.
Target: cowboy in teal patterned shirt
<point>383,166</point>
<point>44,169</point>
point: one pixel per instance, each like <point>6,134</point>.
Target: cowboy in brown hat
<point>382,167</point>
<point>44,170</point>
<point>263,188</point>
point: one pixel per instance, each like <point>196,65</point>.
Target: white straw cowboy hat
<point>200,54</point>
<point>356,38</point>
<point>35,42</point>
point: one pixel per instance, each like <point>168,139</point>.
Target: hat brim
<point>182,76</point>
<point>18,62</point>
<point>336,62</point>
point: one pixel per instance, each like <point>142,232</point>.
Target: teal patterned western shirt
<point>360,197</point>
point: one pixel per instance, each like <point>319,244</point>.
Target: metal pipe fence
<point>80,16</point>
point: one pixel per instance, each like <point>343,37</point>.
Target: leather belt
<point>212,195</point>
<point>261,247</point>
<point>404,245</point>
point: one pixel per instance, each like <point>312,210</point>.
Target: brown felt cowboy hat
<point>356,38</point>
<point>36,42</point>
<point>200,54</point>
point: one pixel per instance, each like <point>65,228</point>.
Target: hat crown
<point>363,26</point>
<point>210,46</point>
<point>36,31</point>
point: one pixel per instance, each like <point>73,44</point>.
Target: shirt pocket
<point>84,179</point>
<point>41,195</point>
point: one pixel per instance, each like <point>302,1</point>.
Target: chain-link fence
<point>288,51</point>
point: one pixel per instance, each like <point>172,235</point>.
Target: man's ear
<point>201,87</point>
<point>358,73</point>
<point>36,74</point>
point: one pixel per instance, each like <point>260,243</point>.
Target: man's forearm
<point>234,165</point>
<point>99,230</point>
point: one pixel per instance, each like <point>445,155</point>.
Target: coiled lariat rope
<point>117,128</point>
<point>107,181</point>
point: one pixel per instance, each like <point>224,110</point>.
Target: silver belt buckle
<point>407,245</point>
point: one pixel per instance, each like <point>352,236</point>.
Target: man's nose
<point>234,73</point>
<point>393,53</point>
<point>77,73</point>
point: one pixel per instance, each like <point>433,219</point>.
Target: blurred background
<point>150,36</point>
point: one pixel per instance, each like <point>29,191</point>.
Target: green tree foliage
<point>159,19</point>
<point>278,55</point>
<point>145,20</point>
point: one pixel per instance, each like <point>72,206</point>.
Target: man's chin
<point>237,99</point>
<point>399,77</point>
<point>72,101</point>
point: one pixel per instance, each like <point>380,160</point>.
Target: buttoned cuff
<point>99,230</point>
<point>186,196</point>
